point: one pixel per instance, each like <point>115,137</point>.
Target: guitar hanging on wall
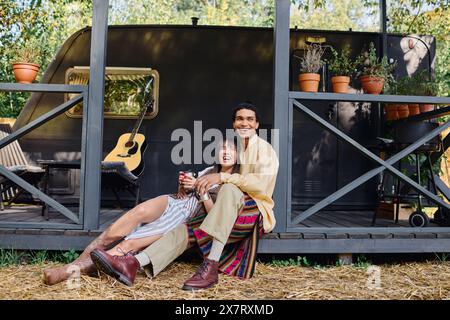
<point>130,147</point>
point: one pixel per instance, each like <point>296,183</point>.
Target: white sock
<point>143,259</point>
<point>216,250</point>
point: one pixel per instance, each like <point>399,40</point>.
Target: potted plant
<point>310,64</point>
<point>430,88</point>
<point>25,61</point>
<point>374,71</point>
<point>342,67</point>
<point>407,86</point>
<point>425,86</point>
<point>393,110</point>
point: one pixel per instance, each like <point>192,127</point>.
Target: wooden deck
<point>30,213</point>
<point>325,219</point>
<point>349,219</point>
<point>309,241</point>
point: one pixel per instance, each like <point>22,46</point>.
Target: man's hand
<point>205,182</point>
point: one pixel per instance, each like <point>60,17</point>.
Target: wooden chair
<point>13,158</point>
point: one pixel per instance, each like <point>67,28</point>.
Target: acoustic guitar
<point>130,147</point>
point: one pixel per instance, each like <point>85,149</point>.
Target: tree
<point>426,17</point>
<point>53,21</point>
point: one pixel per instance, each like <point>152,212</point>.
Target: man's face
<point>245,123</point>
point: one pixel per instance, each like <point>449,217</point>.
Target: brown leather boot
<point>121,268</point>
<point>53,276</point>
<point>206,276</point>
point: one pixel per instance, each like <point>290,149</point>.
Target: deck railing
<point>297,100</point>
<point>92,131</point>
<point>284,103</point>
<point>49,88</point>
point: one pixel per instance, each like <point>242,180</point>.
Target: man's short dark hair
<point>246,105</point>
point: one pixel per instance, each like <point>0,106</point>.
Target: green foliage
<point>423,84</point>
<point>340,63</point>
<point>298,262</point>
<point>362,262</point>
<point>69,256</point>
<point>420,84</point>
<point>373,66</point>
<point>335,15</point>
<point>51,22</point>
<point>29,51</point>
<point>38,257</point>
<point>424,174</point>
<point>429,17</point>
<point>443,257</point>
<point>10,257</point>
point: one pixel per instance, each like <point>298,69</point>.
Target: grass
<point>362,262</point>
<point>442,257</point>
<point>298,262</point>
<point>12,257</point>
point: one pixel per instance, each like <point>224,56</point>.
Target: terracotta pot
<point>413,109</point>
<point>309,82</point>
<point>372,85</point>
<point>402,110</point>
<point>25,72</point>
<point>340,84</point>
<point>391,111</point>
<point>426,107</point>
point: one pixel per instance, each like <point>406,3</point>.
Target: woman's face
<point>227,155</point>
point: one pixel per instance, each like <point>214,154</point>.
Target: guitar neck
<point>139,122</point>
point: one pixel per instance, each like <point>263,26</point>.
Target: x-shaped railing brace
<point>24,130</point>
<point>372,173</point>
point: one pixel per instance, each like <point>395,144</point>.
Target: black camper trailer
<point>200,73</point>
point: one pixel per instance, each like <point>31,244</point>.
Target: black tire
<point>418,219</point>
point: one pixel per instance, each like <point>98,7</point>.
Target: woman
<point>150,220</point>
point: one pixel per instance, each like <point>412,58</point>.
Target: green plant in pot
<point>310,64</point>
<point>375,72</point>
<point>342,67</point>
<point>426,85</point>
<point>406,87</point>
<point>394,111</point>
<point>25,61</point>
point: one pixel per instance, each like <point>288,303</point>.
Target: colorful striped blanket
<point>239,255</point>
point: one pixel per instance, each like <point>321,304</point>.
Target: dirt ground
<point>417,280</point>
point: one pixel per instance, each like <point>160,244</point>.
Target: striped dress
<point>176,212</point>
<point>239,255</point>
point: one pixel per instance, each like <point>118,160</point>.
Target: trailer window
<point>124,91</point>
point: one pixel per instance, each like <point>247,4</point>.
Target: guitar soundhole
<point>129,144</point>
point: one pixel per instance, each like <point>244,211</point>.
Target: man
<point>241,193</point>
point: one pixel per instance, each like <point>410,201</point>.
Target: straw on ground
<point>429,280</point>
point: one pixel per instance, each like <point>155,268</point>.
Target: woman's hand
<point>187,182</point>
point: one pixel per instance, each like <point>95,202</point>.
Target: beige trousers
<point>218,223</point>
